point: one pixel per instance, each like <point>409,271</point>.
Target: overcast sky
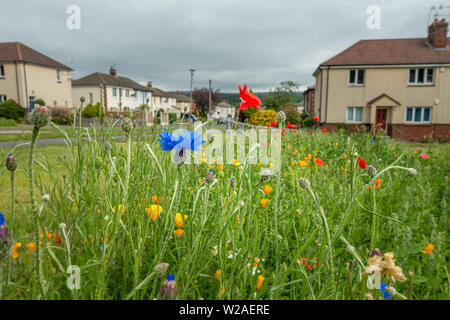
<point>258,42</point>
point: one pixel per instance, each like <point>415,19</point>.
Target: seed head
<point>412,172</point>
<point>375,252</point>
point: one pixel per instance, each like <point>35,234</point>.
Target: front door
<point>380,119</point>
<point>31,103</point>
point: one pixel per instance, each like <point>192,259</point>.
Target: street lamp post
<point>190,93</point>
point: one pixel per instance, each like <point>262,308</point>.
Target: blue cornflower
<point>383,289</point>
<point>187,141</point>
<point>171,277</point>
<point>372,141</point>
<point>2,219</point>
<point>168,141</point>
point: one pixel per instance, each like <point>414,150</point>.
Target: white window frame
<point>414,114</point>
<point>416,77</point>
<point>2,71</point>
<point>356,77</point>
<point>58,75</point>
<point>4,98</point>
<point>114,92</point>
<point>127,93</point>
<point>353,118</point>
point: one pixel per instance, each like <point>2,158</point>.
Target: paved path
<point>41,142</point>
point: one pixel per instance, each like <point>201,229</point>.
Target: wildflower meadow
<point>340,216</point>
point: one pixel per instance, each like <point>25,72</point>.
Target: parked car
<point>189,116</point>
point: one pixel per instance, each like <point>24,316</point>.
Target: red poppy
<point>316,119</point>
<point>310,131</point>
<point>362,163</point>
<point>319,161</point>
<point>249,100</point>
<point>291,126</point>
<point>324,129</point>
<point>273,124</point>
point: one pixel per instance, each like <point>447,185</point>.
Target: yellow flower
<point>179,232</point>
<point>302,163</point>
<point>264,202</point>
<point>221,166</point>
<point>267,189</point>
<point>345,156</point>
<point>179,219</point>
<point>154,211</point>
<point>31,246</point>
<point>309,156</point>
<point>217,275</point>
<point>15,254</point>
<point>429,249</point>
<point>259,282</point>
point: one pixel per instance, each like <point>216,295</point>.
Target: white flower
<point>46,197</point>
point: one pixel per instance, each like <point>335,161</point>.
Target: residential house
<point>185,103</point>
<point>308,98</point>
<point>114,92</point>
<point>223,110</point>
<point>300,107</point>
<point>399,85</point>
<point>26,75</point>
<point>163,103</point>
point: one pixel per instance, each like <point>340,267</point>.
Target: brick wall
<point>403,132</point>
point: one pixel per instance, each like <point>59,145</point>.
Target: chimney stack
<point>112,71</point>
<point>437,34</point>
<point>149,84</point>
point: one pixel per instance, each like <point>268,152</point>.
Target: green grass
<point>227,227</point>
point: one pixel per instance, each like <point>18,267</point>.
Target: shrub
<point>61,115</point>
<point>39,102</point>
<point>263,118</point>
<point>7,122</point>
<point>92,111</point>
<point>172,117</point>
<point>292,115</point>
<point>308,122</point>
<point>10,109</point>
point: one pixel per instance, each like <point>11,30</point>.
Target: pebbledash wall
<point>334,95</point>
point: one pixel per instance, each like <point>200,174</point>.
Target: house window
<point>2,98</point>
<point>114,92</point>
<point>418,115</point>
<point>420,76</point>
<point>127,93</point>
<point>356,77</point>
<point>120,92</point>
<point>354,114</point>
<point>91,97</point>
<point>58,75</point>
<point>2,71</point>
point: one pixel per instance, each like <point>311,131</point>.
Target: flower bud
<point>281,117</point>
<point>11,163</point>
<point>412,172</point>
<point>371,171</point>
<point>169,290</point>
<point>265,175</point>
<point>98,163</point>
<point>304,183</point>
<point>375,252</point>
<point>40,117</point>
<point>161,269</point>
<point>210,176</point>
<point>128,125</point>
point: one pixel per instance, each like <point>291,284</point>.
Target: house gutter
<point>326,101</point>
<point>17,83</point>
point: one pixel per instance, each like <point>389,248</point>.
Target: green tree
<point>281,96</point>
